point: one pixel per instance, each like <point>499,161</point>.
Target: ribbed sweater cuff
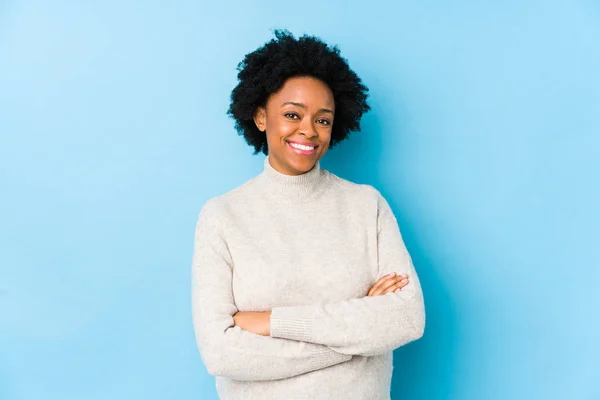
<point>286,324</point>
<point>327,359</point>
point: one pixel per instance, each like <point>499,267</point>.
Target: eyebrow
<point>301,105</point>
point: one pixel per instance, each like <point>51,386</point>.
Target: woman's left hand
<point>255,322</point>
<point>388,283</point>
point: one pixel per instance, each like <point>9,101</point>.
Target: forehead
<point>309,91</point>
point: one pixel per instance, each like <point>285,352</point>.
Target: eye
<point>292,116</point>
<point>323,121</point>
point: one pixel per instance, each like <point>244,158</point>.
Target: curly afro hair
<point>265,70</point>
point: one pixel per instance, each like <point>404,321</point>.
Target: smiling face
<point>298,120</point>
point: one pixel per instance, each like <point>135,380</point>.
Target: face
<point>297,120</point>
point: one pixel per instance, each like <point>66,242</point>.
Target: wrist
<point>268,323</point>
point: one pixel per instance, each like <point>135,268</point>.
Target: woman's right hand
<point>388,283</point>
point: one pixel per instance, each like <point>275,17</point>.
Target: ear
<point>260,119</point>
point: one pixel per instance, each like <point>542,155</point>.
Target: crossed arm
<point>259,322</point>
<point>289,341</point>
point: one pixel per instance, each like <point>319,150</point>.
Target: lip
<point>303,152</point>
<point>304,143</point>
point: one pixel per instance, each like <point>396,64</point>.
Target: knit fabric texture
<point>307,248</point>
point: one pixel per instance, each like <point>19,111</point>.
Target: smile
<point>304,149</point>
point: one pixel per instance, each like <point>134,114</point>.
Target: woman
<point>302,285</point>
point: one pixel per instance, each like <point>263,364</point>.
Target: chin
<point>302,167</point>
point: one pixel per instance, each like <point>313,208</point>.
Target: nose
<point>307,128</point>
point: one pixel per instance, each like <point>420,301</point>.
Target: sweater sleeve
<point>227,350</point>
<point>368,325</point>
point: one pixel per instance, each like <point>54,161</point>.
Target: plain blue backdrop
<point>483,135</point>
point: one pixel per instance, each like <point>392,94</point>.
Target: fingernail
<point>404,280</point>
<point>392,274</point>
<point>397,291</point>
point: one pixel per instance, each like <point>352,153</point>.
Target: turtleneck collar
<point>293,186</point>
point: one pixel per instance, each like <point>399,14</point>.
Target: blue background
<point>484,137</point>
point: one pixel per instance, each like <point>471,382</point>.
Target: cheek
<point>326,136</point>
<point>281,128</point>
<point>325,145</point>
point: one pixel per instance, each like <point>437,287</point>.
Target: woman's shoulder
<point>221,203</point>
<point>347,187</point>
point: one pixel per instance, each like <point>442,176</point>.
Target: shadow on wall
<point>425,368</point>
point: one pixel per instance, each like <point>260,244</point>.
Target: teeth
<point>301,147</point>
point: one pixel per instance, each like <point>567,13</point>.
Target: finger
<point>389,283</point>
<point>397,287</point>
<point>381,287</point>
<point>380,281</point>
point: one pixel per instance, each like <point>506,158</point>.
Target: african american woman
<point>301,283</point>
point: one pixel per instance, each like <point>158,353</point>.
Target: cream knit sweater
<point>307,248</point>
